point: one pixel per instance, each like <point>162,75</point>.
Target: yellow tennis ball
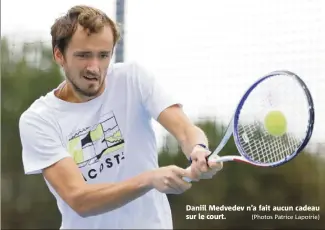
<point>275,123</point>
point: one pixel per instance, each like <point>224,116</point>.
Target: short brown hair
<point>90,18</point>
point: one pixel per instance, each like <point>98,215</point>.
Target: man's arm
<point>179,125</point>
<point>189,137</point>
<point>88,199</point>
<point>91,199</point>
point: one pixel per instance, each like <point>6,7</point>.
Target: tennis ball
<point>275,123</point>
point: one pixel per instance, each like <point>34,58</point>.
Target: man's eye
<point>104,56</point>
<point>83,55</point>
<point>86,55</point>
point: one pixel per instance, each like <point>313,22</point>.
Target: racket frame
<point>233,131</point>
<point>310,122</point>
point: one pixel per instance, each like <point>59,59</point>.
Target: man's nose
<point>93,65</point>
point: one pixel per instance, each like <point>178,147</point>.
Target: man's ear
<point>58,56</point>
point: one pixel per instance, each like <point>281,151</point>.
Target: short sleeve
<point>41,145</point>
<point>154,97</point>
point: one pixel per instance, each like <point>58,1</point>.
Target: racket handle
<point>216,158</point>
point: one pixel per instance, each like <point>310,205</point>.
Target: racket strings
<point>278,93</point>
<point>264,148</point>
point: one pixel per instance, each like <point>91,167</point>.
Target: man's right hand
<point>169,179</point>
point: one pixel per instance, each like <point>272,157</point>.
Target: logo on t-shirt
<point>90,144</point>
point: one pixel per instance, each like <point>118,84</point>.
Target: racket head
<point>251,137</point>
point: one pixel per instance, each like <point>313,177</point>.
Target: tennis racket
<point>272,123</point>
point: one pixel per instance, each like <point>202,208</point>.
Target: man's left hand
<point>200,167</point>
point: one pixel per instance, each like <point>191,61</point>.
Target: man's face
<point>86,61</point>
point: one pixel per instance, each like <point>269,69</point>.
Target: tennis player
<point>92,139</point>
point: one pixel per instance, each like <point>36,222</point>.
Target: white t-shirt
<point>110,138</point>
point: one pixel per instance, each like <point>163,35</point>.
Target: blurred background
<point>205,53</point>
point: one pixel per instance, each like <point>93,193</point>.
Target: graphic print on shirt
<point>90,144</point>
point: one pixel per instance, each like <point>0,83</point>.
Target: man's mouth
<point>91,78</point>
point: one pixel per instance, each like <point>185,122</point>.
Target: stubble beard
<point>84,93</point>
